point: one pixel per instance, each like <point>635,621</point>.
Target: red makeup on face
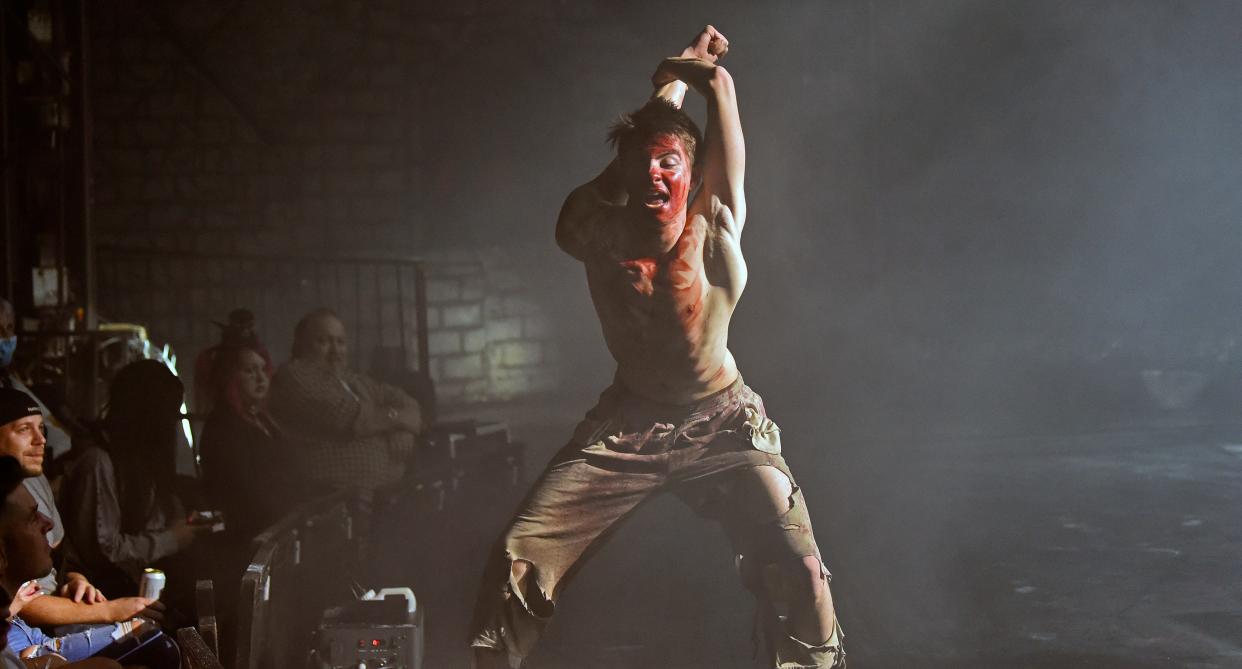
<point>661,177</point>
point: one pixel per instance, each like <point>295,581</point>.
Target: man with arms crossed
<point>665,273</point>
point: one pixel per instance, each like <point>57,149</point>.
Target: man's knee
<point>808,579</point>
<point>517,573</point>
<point>796,581</point>
<point>524,583</point>
<point>763,494</point>
<point>506,629</point>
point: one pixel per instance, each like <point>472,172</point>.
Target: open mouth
<point>655,199</point>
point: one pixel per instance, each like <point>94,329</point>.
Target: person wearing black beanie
<point>15,405</point>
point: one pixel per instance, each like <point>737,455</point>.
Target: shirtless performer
<point>665,273</point>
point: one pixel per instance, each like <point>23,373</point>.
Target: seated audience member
<point>78,602</point>
<point>247,470</point>
<point>24,440</point>
<point>23,540</point>
<point>28,641</point>
<point>350,431</point>
<point>58,440</point>
<point>118,501</point>
<point>239,332</point>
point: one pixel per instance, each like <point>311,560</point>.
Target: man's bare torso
<point>664,264</point>
<point>664,323</point>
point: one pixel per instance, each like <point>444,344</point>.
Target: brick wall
<point>490,338</point>
<point>289,128</point>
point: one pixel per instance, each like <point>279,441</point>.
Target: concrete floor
<point>1118,549</point>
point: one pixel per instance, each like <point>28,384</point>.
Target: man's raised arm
<point>583,217</point>
<point>708,45</point>
<point>722,162</point>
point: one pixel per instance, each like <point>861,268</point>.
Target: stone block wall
<point>490,339</point>
<point>290,130</point>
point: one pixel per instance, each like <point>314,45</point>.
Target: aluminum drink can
<point>152,584</point>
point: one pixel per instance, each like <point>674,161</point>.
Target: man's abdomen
<point>668,366</point>
<point>670,340</point>
<point>674,388</point>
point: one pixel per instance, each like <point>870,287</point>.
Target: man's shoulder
<point>297,366</point>
<point>39,483</point>
<point>591,229</point>
<point>41,489</point>
<point>300,373</point>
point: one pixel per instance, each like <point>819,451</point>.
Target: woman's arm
<point>96,519</point>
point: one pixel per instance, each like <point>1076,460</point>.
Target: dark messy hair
<point>141,423</point>
<point>657,117</point>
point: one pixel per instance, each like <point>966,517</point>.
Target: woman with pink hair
<point>246,472</point>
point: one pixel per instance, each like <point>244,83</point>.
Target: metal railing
<point>299,567</point>
<point>382,300</point>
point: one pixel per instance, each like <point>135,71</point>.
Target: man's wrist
<point>674,91</point>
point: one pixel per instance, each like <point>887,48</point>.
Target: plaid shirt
<point>339,425</point>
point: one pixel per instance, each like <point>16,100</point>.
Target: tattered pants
<point>626,450</point>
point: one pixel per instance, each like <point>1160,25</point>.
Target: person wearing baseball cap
<point>15,406</point>
<point>69,599</point>
<point>58,440</point>
<point>23,437</point>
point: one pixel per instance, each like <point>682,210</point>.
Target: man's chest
<point>653,295</point>
<point>654,279</point>
<point>673,275</point>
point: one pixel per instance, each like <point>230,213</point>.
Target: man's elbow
<point>570,249</point>
<point>739,216</point>
<point>721,83</point>
<point>568,237</point>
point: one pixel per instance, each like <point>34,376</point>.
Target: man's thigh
<point>760,507</point>
<point>572,506</point>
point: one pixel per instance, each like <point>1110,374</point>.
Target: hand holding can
<point>152,584</point>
